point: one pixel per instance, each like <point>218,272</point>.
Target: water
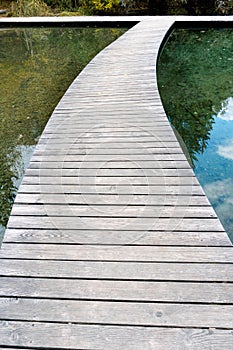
<point>195,75</point>
<point>214,168</point>
<point>37,65</point>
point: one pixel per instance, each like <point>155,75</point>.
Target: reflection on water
<point>195,76</point>
<point>37,65</point>
<point>214,168</point>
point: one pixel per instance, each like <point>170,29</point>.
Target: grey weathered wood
<point>125,130</point>
<point>122,186</point>
<point>112,164</point>
<point>146,140</point>
<point>69,169</point>
<point>120,199</point>
<point>74,336</point>
<point>115,144</point>
<point>107,210</point>
<point>118,313</point>
<point>182,292</point>
<point>199,272</point>
<point>85,122</point>
<point>110,230</point>
<point>121,136</point>
<point>83,150</point>
<point>115,223</point>
<point>56,176</point>
<point>117,253</point>
<point>118,237</point>
<point>63,156</point>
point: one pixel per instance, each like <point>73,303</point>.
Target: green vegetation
<point>117,7</point>
<point>36,68</point>
<point>31,8</point>
<point>195,75</point>
<point>99,6</point>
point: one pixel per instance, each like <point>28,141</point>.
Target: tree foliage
<point>124,7</point>
<point>29,8</point>
<point>99,6</point>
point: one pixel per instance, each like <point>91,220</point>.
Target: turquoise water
<point>195,79</point>
<point>214,167</point>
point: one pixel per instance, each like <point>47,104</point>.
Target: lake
<point>37,65</point>
<point>195,77</point>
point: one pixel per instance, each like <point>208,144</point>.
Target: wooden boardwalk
<point>112,243</point>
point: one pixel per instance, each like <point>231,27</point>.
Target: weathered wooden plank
<point>105,129</point>
<point>120,199</point>
<point>122,187</point>
<point>73,336</point>
<point>117,144</point>
<point>51,176</point>
<point>159,271</point>
<point>83,150</point>
<point>92,134</point>
<point>179,292</point>
<point>117,223</point>
<point>112,101</point>
<point>110,104</point>
<point>117,253</point>
<point>118,313</point>
<point>86,120</point>
<point>165,138</point>
<point>95,127</point>
<point>97,130</point>
<point>113,164</point>
<point>118,96</point>
<point>113,211</point>
<point>106,237</point>
<point>111,95</point>
<point>124,136</point>
<point>39,156</point>
<point>70,169</point>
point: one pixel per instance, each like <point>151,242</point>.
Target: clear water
<point>37,65</point>
<point>214,167</point>
<point>195,76</point>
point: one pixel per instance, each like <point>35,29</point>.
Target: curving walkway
<point>112,243</point>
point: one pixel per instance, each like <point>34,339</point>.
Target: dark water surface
<point>195,76</point>
<point>36,68</point>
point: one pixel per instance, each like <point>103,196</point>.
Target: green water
<point>195,76</point>
<point>36,68</point>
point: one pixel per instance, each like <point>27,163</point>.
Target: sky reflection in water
<point>214,168</point>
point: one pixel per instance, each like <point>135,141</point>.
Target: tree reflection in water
<point>195,76</point>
